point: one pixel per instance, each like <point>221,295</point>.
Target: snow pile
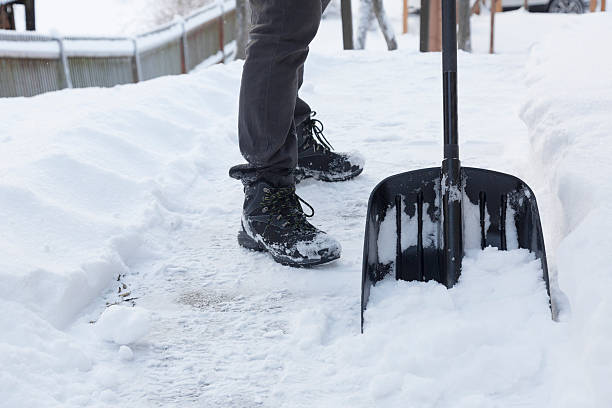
<point>516,31</point>
<point>84,174</point>
<point>482,343</point>
<point>568,113</point>
<point>123,325</point>
<point>445,340</point>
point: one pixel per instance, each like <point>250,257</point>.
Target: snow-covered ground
<point>122,196</point>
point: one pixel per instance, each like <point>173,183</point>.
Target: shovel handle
<point>449,79</point>
<point>451,166</point>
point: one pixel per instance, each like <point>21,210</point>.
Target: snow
<point>49,49</point>
<point>387,238</point>
<point>93,48</point>
<point>123,325</point>
<point>126,353</point>
<point>160,37</point>
<point>569,130</point>
<point>202,16</point>
<point>121,197</point>
<point>469,346</point>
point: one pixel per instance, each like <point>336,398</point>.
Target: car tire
<point>566,6</point>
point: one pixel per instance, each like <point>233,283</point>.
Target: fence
<point>32,63</point>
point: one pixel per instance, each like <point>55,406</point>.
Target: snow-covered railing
<point>32,63</point>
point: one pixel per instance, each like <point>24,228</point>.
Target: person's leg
<point>272,217</point>
<point>315,156</point>
<point>302,109</point>
<point>279,39</point>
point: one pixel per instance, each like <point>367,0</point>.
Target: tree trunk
<point>368,9</point>
<point>243,23</point>
<point>347,23</point>
<point>465,39</point>
<point>366,16</point>
<point>384,24</point>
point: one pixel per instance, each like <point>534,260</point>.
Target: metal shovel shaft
<point>451,166</point>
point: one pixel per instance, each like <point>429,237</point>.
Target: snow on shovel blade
<point>498,210</point>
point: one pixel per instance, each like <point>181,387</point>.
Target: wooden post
<point>347,24</point>
<point>493,9</point>
<point>7,17</point>
<point>603,5</point>
<point>424,30</point>
<point>435,25</point>
<point>593,6</point>
<point>405,17</point>
<point>526,4</point>
<point>476,8</point>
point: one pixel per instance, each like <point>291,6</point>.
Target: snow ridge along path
<point>127,188</point>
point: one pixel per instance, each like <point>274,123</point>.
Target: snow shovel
<point>419,222</point>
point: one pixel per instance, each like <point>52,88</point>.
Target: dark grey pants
<point>269,106</point>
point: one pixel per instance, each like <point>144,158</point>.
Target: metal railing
<point>32,63</point>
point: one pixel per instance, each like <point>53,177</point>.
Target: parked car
<point>546,6</point>
<point>550,6</point>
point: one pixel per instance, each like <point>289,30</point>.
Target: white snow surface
<point>123,193</point>
<point>123,325</point>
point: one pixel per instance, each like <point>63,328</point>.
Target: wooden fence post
<point>405,17</point>
<point>435,25</point>
<point>7,17</point>
<point>492,40</point>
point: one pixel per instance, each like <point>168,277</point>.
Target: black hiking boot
<point>317,159</point>
<point>273,221</point>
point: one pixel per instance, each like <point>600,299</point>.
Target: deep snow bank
<point>83,175</point>
<point>569,115</point>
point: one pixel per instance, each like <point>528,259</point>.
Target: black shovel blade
<point>498,210</point>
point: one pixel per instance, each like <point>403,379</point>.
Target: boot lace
<point>315,137</point>
<point>284,204</point>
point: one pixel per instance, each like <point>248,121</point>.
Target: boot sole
<point>303,174</point>
<point>245,241</point>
